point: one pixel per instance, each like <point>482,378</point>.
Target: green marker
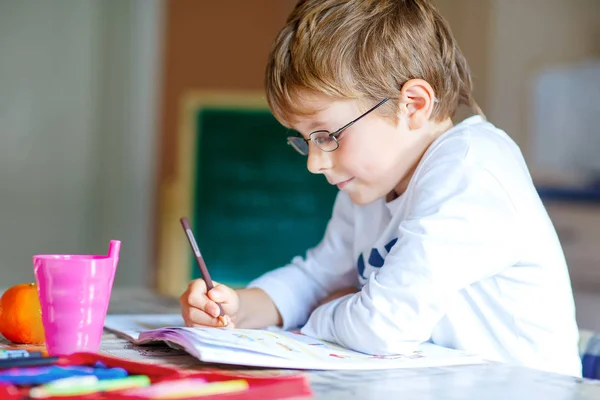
<point>86,386</point>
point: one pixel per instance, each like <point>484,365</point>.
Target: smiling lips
<point>343,184</point>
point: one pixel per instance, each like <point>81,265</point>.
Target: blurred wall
<point>508,42</point>
<point>77,94</point>
<point>529,35</point>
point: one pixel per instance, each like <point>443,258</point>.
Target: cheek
<point>352,157</point>
<point>365,157</point>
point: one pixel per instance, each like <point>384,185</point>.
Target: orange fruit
<point>21,315</point>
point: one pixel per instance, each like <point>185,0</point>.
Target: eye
<point>322,140</point>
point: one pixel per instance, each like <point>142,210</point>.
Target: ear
<point>418,99</point>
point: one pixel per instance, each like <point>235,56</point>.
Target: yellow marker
<point>236,385</point>
<point>87,386</point>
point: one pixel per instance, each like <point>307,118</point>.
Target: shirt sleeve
<point>298,287</point>
<point>460,229</point>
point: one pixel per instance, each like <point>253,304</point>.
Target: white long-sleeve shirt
<point>466,257</point>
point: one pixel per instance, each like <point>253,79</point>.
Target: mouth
<point>343,184</point>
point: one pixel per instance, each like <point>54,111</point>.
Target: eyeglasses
<point>324,140</point>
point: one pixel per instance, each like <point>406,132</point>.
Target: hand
<point>338,294</point>
<point>199,308</point>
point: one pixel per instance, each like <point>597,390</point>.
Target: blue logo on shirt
<point>375,261</point>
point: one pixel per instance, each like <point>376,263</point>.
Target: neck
<point>430,134</point>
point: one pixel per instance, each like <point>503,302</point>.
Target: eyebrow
<point>314,125</point>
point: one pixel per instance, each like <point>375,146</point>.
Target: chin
<point>362,199</point>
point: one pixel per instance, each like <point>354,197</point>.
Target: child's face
<point>375,155</point>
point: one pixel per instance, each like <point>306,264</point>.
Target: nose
<point>318,160</point>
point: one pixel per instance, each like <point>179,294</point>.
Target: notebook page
<point>131,325</point>
<point>274,348</point>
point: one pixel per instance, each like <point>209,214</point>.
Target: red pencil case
<point>260,388</point>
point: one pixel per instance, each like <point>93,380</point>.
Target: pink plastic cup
<point>74,293</point>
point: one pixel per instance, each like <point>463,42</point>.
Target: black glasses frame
<point>292,140</point>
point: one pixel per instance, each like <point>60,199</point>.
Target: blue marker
<point>6,354</point>
<point>16,362</point>
<point>41,375</point>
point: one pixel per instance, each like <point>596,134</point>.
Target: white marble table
<point>486,381</point>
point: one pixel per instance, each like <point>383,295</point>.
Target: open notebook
<point>270,347</point>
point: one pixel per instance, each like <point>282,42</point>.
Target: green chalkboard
<point>256,205</point>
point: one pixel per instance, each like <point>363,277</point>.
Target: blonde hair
<point>365,50</point>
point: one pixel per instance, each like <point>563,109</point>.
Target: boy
<point>437,232</point>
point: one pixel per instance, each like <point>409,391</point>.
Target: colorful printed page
<point>272,347</point>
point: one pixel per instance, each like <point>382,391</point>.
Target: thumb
<point>226,297</point>
<point>221,293</point>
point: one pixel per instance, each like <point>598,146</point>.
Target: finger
<point>189,300</point>
<point>195,295</point>
<point>194,317</point>
<point>223,294</point>
<point>217,324</point>
<point>212,309</point>
<point>228,322</point>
